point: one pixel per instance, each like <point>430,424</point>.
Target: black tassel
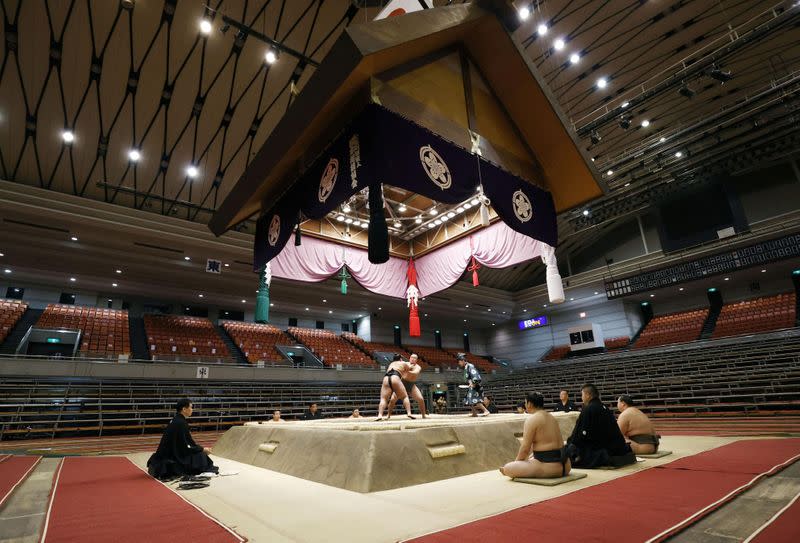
<point>297,236</point>
<point>378,250</point>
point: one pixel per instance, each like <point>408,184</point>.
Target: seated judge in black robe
<point>178,454</point>
<point>596,440</point>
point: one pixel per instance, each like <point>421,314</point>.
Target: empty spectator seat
<point>480,361</point>
<point>757,315</point>
<point>179,337</point>
<point>104,332</point>
<point>672,328</point>
<point>331,348</point>
<point>615,343</point>
<point>435,357</point>
<point>558,352</point>
<point>10,313</point>
<point>373,347</point>
<point>257,341</point>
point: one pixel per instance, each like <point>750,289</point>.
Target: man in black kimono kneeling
<point>177,453</point>
<point>596,440</point>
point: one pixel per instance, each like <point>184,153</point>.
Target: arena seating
<point>757,315</point>
<point>480,361</point>
<point>184,338</point>
<point>104,331</point>
<point>557,353</point>
<point>672,328</point>
<point>333,348</point>
<point>436,357</point>
<point>615,343</point>
<point>10,313</point>
<point>56,407</point>
<point>752,374</point>
<point>375,347</point>
<point>257,341</point>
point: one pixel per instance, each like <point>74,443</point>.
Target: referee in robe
<point>177,453</point>
<point>597,440</point>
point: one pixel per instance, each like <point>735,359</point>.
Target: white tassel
<point>555,288</point>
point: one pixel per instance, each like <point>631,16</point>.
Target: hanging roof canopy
<point>344,82</point>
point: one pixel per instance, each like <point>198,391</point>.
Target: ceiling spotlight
<point>227,265</point>
<point>72,279</point>
<point>356,223</point>
<point>68,136</point>
<point>467,205</point>
<point>524,12</point>
<point>574,58</point>
<point>627,184</point>
<point>113,284</point>
<point>474,201</point>
<point>624,122</point>
<point>205,26</point>
<point>397,224</point>
<point>610,172</point>
<point>459,209</point>
<point>418,220</point>
<point>652,295</point>
<point>763,271</point>
<point>450,214</point>
<point>727,278</point>
<point>431,225</point>
<point>330,311</point>
<point>119,271</point>
<point>602,83</point>
<point>346,208</point>
<point>244,301</point>
<point>433,211</point>
<point>624,104</point>
<point>7,270</point>
<point>134,155</point>
<point>681,289</point>
<point>542,29</point>
<point>340,218</point>
<point>595,137</point>
<point>74,238</point>
<point>271,57</point>
<point>719,75</point>
<point>187,258</point>
<point>686,91</point>
<point>199,295</point>
<point>678,154</point>
<point>558,44</point>
<point>585,212</point>
<point>402,208</point>
<point>306,309</point>
<point>348,220</point>
<point>437,222</point>
<point>191,171</point>
<point>645,123</point>
<point>662,139</point>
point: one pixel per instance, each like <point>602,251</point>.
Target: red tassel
<point>474,269</point>
<point>413,321</point>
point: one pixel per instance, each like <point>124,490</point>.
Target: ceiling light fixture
<point>625,104</point>
<point>245,301</point>
<point>678,154</point>
<point>187,258</point>
<point>662,139</point>
<point>686,91</point>
<point>348,220</point>
<point>418,220</point>
<point>340,218</point>
<point>346,208</point>
<point>474,201</point>
<point>134,155</point>
<point>574,58</point>
<point>602,83</point>
<point>558,44</point>
<point>624,122</point>
<point>271,56</point>
<point>450,214</point>
<point>119,271</point>
<point>542,29</point>
<point>68,136</point>
<point>524,12</point>
<point>645,123</point>
<point>205,26</point>
<point>199,295</point>
<point>585,212</point>
<point>627,184</point>
<point>7,270</point>
<point>113,284</point>
<point>610,172</point>
<point>595,137</point>
<point>72,279</point>
<point>720,76</point>
<point>402,208</point>
<point>433,212</point>
<point>191,171</point>
<point>74,238</point>
<point>397,224</point>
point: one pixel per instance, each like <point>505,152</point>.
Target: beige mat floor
<point>267,506</point>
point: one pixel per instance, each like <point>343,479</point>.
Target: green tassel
<point>344,286</point>
<point>262,298</point>
<point>344,276</point>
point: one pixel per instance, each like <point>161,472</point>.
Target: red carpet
<point>110,499</point>
<point>782,528</point>
<point>645,506</point>
<point>14,470</point>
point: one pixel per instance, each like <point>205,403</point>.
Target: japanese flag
<point>401,7</point>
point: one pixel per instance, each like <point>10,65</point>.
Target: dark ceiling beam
<point>779,21</point>
<point>249,31</point>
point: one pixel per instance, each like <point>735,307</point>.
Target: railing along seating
<point>258,341</point>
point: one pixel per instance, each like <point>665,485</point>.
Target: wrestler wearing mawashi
<point>636,427</point>
<point>392,382</point>
<point>541,452</point>
<point>409,381</point>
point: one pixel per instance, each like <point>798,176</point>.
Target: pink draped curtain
<point>497,246</point>
<point>315,260</point>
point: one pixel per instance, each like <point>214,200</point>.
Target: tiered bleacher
<point>373,347</point>
<point>183,338</point>
<point>672,328</point>
<point>757,315</point>
<point>615,343</point>
<point>480,362</point>
<point>104,332</point>
<point>436,357</point>
<point>331,348</point>
<point>58,407</point>
<point>10,313</point>
<point>257,341</point>
<point>558,352</point>
<point>756,374</point>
